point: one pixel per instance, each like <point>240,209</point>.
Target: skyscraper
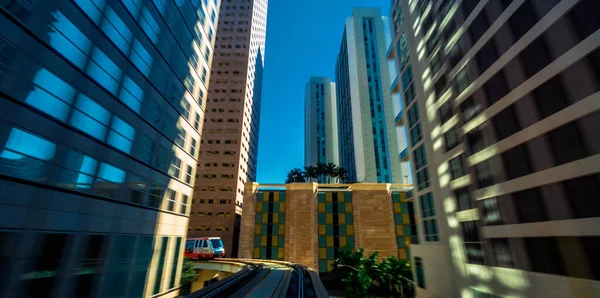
<point>367,135</point>
<point>320,122</point>
<point>229,147</point>
<point>502,106</point>
<point>101,108</point>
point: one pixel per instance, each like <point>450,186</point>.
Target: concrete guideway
<point>261,278</point>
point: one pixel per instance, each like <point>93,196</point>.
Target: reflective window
<point>77,170</point>
<point>141,58</point>
<point>149,25</point>
<point>69,41</point>
<point>188,175</point>
<point>171,198</point>
<point>133,6</point>
<point>111,173</point>
<point>21,142</point>
<point>131,94</point>
<point>104,71</point>
<point>90,117</point>
<point>93,8</point>
<point>121,135</point>
<point>175,167</point>
<point>116,30</point>
<point>51,95</point>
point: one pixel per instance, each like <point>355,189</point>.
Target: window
<point>188,175</point>
<point>491,212</point>
<point>45,261</point>
<point>484,174</point>
<point>175,167</point>
<point>583,196</point>
<point>502,254</point>
<point>416,134</point>
<point>156,195</point>
<point>529,206</point>
<point>121,135</point>
<point>551,97</point>
<point>462,81</point>
<point>469,109</point>
<point>171,197</point>
<point>455,55</point>
<point>516,162</point>
<point>487,55</point>
<point>544,255</point>
<point>445,112</point>
<point>472,241</point>
<point>585,21</point>
<point>535,57</point>
<point>422,178</point>
<point>450,139</point>
<point>197,122</point>
<point>463,198</point>
<point>478,27</point>
<point>440,86</point>
<point>475,141</point>
<point>180,139</point>
<point>506,123</point>
<point>591,246</point>
<point>567,145</point>
<point>522,20</point>
<point>90,117</point>
<point>428,214</point>
<point>420,157</point>
<point>161,264</point>
<point>193,147</point>
<point>496,88</point>
<point>184,204</point>
<point>419,272</point>
<point>456,167</point>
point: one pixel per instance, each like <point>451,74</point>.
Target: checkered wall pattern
<point>269,228</point>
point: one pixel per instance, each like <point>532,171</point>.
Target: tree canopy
<point>367,277</point>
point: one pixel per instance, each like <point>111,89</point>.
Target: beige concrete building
<point>501,101</point>
<point>229,145</point>
<point>307,222</point>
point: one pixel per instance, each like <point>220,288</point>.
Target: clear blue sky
<point>303,40</point>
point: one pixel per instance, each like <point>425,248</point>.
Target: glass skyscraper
<point>367,137</point>
<point>320,123</point>
<point>101,112</point>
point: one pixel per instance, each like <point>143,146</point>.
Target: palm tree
<point>295,175</point>
<point>330,170</point>
<point>341,174</point>
<point>310,173</point>
<point>321,170</point>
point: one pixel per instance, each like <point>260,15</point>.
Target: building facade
<point>229,148</point>
<point>320,123</point>
<point>101,111</point>
<point>501,101</point>
<point>307,223</point>
<point>368,146</point>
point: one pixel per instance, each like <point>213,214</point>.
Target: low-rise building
<point>307,222</point>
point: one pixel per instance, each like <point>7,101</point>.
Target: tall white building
<point>368,141</point>
<point>502,106</point>
<point>320,122</point>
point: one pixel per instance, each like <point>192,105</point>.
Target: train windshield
<point>216,243</point>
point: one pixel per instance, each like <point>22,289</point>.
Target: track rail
<point>257,278</point>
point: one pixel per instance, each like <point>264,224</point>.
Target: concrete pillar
<point>301,229</point>
<point>246,245</point>
<point>374,228</point>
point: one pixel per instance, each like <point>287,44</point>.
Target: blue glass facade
<point>344,112</point>
<point>380,143</point>
<point>100,111</point>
